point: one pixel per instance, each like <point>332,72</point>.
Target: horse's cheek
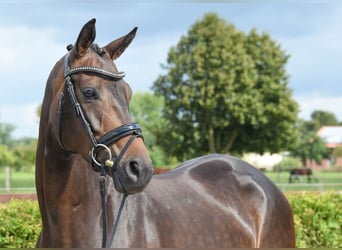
<point>95,121</point>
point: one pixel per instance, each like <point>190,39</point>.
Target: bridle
<point>108,166</point>
<point>109,138</point>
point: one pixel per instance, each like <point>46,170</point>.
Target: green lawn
<point>24,182</point>
<point>326,181</point>
<point>21,182</point>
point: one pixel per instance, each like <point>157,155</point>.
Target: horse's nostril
<point>134,168</point>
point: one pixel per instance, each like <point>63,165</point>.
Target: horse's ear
<point>118,46</point>
<point>85,38</point>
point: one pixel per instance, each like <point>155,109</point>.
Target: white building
<point>265,161</point>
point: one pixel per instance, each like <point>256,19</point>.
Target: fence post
<point>7,179</point>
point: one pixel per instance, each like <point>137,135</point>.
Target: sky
<point>34,35</point>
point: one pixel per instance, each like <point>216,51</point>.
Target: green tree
<point>5,134</point>
<point>321,118</point>
<point>24,152</point>
<point>146,110</point>
<point>310,146</point>
<point>16,152</point>
<point>337,152</point>
<point>225,91</point>
<point>7,157</point>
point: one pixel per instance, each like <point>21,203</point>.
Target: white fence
<point>18,190</point>
<point>310,186</point>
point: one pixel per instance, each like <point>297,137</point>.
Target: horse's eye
<point>90,93</point>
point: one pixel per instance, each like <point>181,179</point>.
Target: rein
<point>102,186</point>
<point>108,166</point>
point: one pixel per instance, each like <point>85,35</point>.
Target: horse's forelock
<point>100,51</point>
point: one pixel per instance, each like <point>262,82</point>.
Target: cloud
<point>30,46</point>
<point>22,116</point>
<point>314,65</point>
<point>141,61</point>
<point>310,104</point>
<point>27,55</point>
<point>19,44</point>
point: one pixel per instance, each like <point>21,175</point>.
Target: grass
<point>23,182</point>
<point>325,177</point>
<point>326,181</point>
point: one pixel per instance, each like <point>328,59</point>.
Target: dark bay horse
<point>296,173</point>
<point>211,201</point>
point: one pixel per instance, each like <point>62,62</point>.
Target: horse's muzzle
<point>132,176</point>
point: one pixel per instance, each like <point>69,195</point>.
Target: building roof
<point>332,135</point>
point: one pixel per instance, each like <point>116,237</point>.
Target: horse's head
<point>93,116</point>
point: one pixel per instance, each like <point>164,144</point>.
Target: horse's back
<point>219,172</point>
<point>242,206</point>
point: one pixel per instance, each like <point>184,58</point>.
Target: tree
<point>16,152</point>
<point>310,146</point>
<point>146,110</point>
<point>5,134</point>
<point>337,152</point>
<point>321,118</point>
<point>24,152</point>
<point>225,92</point>
<point>6,156</point>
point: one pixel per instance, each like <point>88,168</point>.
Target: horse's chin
<point>117,184</point>
<point>122,188</point>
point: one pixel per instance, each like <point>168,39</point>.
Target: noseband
<point>130,129</point>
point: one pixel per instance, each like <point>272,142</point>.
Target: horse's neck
<point>68,193</point>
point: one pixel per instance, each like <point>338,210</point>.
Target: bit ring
<point>93,154</point>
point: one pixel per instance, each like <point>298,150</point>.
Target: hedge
<point>19,224</point>
<point>317,217</point>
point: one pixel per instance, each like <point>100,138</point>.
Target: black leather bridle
<point>130,129</point>
<point>109,138</point>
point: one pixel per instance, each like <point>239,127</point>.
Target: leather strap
<point>109,138</point>
<point>116,76</point>
<point>119,133</point>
